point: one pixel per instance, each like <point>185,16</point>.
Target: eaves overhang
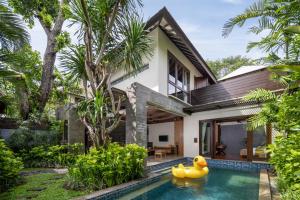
<point>164,20</point>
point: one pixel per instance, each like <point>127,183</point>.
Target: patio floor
<point>152,161</point>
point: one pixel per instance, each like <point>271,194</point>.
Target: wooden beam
<point>250,145</point>
<point>178,126</point>
<point>214,134</point>
<point>162,121</point>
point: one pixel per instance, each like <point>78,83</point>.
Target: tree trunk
<point>47,72</point>
<point>50,56</point>
<point>24,106</point>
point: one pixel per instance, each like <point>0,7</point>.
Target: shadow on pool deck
<point>152,161</point>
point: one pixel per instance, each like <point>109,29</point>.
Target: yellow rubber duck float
<point>198,170</point>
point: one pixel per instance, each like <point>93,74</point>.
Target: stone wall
<point>76,129</point>
<point>139,97</point>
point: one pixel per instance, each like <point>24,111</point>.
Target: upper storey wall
<point>155,74</point>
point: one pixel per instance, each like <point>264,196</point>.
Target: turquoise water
<point>218,185</point>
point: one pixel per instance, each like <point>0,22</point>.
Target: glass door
<point>205,133</point>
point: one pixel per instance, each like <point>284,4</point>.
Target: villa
<point>175,104</point>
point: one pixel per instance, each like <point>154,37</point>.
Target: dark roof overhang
<point>226,103</point>
<point>219,105</point>
<point>164,20</point>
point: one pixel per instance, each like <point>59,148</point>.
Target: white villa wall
<point>161,129</point>
<point>148,77</point>
<point>191,124</point>
<point>165,45</point>
<point>156,77</point>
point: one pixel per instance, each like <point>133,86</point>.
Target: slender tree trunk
<point>49,57</point>
<point>47,72</point>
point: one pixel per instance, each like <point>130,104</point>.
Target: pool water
<point>218,184</point>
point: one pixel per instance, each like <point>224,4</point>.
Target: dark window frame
<point>185,78</point>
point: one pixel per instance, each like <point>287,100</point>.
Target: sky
<point>202,22</point>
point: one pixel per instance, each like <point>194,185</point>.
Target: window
<point>178,80</point>
<point>163,138</point>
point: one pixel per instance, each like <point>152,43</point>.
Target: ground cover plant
<point>46,186</point>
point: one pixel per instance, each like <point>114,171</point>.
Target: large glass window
<point>178,80</point>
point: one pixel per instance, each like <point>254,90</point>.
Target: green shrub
<point>25,139</point>
<point>285,157</point>
<point>51,156</point>
<point>9,167</point>
<point>108,166</point>
<point>291,195</point>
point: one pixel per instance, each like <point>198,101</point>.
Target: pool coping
<point>264,185</point>
<point>117,191</point>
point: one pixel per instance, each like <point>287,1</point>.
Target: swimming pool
<point>218,184</point>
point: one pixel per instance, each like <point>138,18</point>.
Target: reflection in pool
<point>219,184</point>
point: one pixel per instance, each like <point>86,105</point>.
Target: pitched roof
<point>164,20</point>
<point>243,70</point>
<point>231,91</point>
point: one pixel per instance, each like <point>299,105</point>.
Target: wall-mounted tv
<point>163,138</point>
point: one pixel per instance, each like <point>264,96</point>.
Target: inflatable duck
<point>198,170</point>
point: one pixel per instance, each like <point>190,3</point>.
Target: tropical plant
<point>281,109</point>
<point>224,66</point>
<point>51,156</point>
<point>72,62</point>
<point>26,139</point>
<point>276,16</point>
<point>9,167</point>
<point>105,167</point>
<point>21,75</point>
<point>51,14</point>
<point>115,39</point>
<point>291,195</point>
<point>22,69</point>
<point>285,156</point>
<point>13,33</point>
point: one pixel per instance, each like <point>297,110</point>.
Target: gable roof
<point>164,20</point>
<point>243,70</point>
<point>230,92</point>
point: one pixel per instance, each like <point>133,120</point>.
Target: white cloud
<point>233,1</point>
<point>207,39</point>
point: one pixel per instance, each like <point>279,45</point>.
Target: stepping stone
<point>31,196</point>
<point>38,189</point>
<point>56,178</point>
<point>46,182</point>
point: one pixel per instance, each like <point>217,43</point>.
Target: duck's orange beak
<point>202,163</point>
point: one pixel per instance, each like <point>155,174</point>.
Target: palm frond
<point>260,95</point>
<point>13,33</point>
<point>72,63</point>
<point>257,9</point>
<point>135,46</point>
<point>256,121</point>
<point>264,23</point>
<point>293,29</point>
<point>286,68</point>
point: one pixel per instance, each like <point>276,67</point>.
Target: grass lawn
<point>51,183</point>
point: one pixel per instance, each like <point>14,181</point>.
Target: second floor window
<point>178,79</point>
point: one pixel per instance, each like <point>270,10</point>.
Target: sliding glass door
<point>205,135</point>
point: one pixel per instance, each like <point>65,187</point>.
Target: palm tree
<point>272,15</point>
<point>22,69</point>
<point>13,33</point>
<point>115,39</point>
<point>21,89</point>
<point>72,62</point>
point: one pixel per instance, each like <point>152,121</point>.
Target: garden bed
<point>42,186</point>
